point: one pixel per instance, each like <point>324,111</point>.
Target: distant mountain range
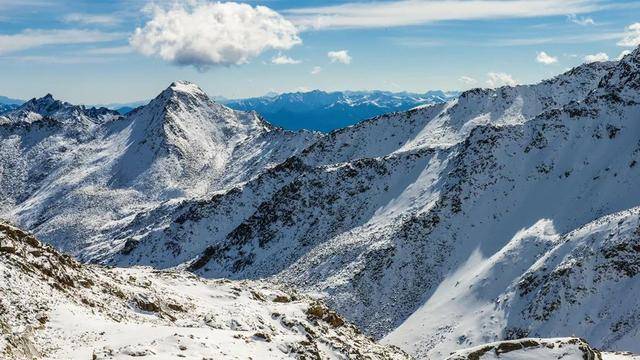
<point>8,104</point>
<point>326,111</point>
<point>7,107</point>
<point>313,110</point>
<point>9,101</point>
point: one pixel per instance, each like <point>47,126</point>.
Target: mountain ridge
<point>459,162</point>
<point>503,214</point>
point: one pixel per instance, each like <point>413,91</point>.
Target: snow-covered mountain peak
<point>622,83</point>
<point>184,91</point>
<point>184,86</point>
<point>182,129</point>
<point>183,112</point>
<point>61,112</point>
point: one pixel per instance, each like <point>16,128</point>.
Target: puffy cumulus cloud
<point>316,70</point>
<point>208,34</point>
<point>545,58</point>
<point>284,60</point>
<point>341,56</point>
<point>596,57</point>
<point>632,36</point>
<point>467,80</point>
<point>496,79</point>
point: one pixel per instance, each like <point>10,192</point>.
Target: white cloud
<point>467,80</point>
<point>208,34</point>
<point>415,12</point>
<point>632,36</point>
<point>29,39</point>
<point>496,79</point>
<point>341,56</point>
<point>596,57</point>
<point>316,70</point>
<point>584,21</point>
<point>68,59</point>
<point>112,50</point>
<point>92,19</point>
<point>284,60</point>
<point>565,39</point>
<point>545,58</point>
<point>623,54</point>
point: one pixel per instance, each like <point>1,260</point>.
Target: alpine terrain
<point>504,223</point>
<point>56,308</point>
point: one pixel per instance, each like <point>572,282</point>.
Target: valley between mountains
<point>504,223</point>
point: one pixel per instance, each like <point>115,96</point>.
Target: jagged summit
<point>623,82</point>
<point>185,87</point>
<point>61,112</point>
<point>180,145</point>
<point>185,117</point>
<point>183,91</point>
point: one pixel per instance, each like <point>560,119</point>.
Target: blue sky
<point>88,51</point>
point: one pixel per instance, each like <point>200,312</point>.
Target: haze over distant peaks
<point>326,111</point>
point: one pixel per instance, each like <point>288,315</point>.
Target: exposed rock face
<point>565,348</point>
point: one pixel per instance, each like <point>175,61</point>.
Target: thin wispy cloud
<point>92,19</point>
<point>561,39</point>
<point>416,42</point>
<point>112,50</point>
<point>209,34</point>
<point>316,70</point>
<point>29,38</point>
<point>416,12</point>
<point>581,20</point>
<point>544,58</point>
<point>509,42</point>
<point>6,4</point>
<point>67,59</point>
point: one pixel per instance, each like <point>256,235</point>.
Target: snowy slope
<point>76,176</point>
<point>388,135</point>
<point>388,217</point>
<point>55,308</point>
